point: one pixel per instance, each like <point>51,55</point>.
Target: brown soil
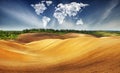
<point>81,54</point>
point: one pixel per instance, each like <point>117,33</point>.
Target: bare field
<point>78,53</point>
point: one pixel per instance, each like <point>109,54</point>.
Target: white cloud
<point>79,22</point>
<point>45,21</point>
<point>113,4</point>
<point>60,17</point>
<point>23,15</point>
<point>43,1</point>
<point>39,8</point>
<point>49,3</point>
<point>109,10</point>
<point>63,10</point>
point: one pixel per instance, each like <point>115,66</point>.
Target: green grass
<point>9,34</point>
<point>14,34</point>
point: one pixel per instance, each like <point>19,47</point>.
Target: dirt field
<point>70,53</point>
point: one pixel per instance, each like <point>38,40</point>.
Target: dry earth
<point>78,53</point>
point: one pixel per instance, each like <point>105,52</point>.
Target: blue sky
<point>60,14</point>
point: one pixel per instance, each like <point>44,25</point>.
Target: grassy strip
<point>14,34</point>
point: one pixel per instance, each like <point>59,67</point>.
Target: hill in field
<point>29,37</point>
<point>12,35</point>
<point>69,53</point>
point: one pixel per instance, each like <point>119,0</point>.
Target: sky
<point>60,14</point>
